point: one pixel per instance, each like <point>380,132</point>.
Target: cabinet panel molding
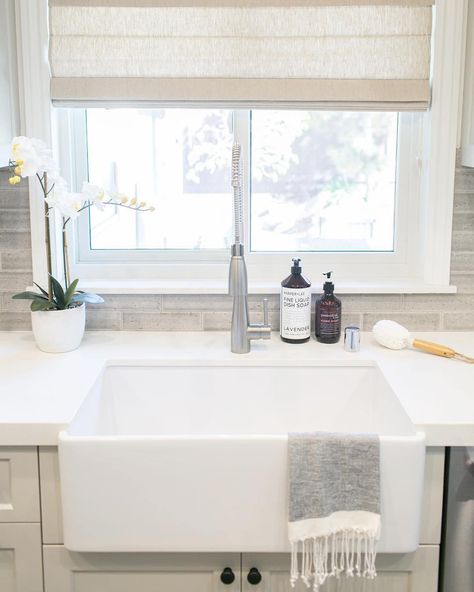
<point>20,558</point>
<point>65,571</point>
<point>50,496</point>
<point>414,572</point>
<point>432,506</point>
<point>19,485</point>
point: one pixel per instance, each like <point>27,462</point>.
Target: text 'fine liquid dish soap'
<point>295,306</point>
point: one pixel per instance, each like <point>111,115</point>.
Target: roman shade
<point>304,53</point>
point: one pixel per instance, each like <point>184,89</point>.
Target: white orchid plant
<point>31,157</point>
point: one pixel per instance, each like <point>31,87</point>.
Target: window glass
<point>177,160</point>
<point>323,181</point>
<point>320,180</point>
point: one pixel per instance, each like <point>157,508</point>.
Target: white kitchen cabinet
<point>100,572</point>
<point>414,572</point>
<point>19,485</point>
<point>20,558</point>
<point>136,572</point>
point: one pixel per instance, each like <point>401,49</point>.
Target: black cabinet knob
<point>254,577</point>
<point>227,576</point>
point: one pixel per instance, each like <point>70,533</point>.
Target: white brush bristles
<point>392,335</point>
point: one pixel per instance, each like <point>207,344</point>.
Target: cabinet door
<point>415,572</point>
<point>20,558</point>
<point>19,488</point>
<point>135,572</point>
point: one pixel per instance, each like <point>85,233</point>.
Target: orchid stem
<point>47,237</point>
<point>67,277</point>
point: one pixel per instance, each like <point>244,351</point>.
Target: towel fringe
<point>349,552</point>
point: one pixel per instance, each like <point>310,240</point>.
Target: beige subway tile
<point>351,319</point>
<point>458,321</point>
<point>464,202</point>
<point>464,282</point>
<point>16,260</point>
<point>462,261</point>
<point>14,220</point>
<point>15,321</point>
<point>132,302</point>
<point>14,282</point>
<point>437,302</point>
<point>8,304</point>
<point>413,322</point>
<point>102,320</point>
<point>462,241</point>
<point>216,321</point>
<point>463,221</point>
<point>197,302</point>
<point>10,240</point>
<point>183,321</point>
<point>256,301</point>
<point>221,321</point>
<point>371,302</point>
<point>464,180</point>
<point>13,199</point>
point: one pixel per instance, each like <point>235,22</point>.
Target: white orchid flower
<point>93,194</point>
<point>33,157</point>
<point>66,203</point>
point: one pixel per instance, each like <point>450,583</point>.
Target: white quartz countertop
<point>40,393</point>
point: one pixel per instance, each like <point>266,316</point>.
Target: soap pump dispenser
<point>295,306</point>
<point>328,314</point>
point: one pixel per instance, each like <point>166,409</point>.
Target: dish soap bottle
<point>328,314</point>
<point>295,306</point>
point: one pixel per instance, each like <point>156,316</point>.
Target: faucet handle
<point>265,313</point>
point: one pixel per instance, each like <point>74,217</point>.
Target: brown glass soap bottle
<point>328,314</point>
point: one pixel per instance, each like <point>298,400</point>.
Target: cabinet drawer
<point>20,558</point>
<point>19,486</point>
<point>127,572</point>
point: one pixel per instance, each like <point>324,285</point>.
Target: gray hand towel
<point>334,505</point>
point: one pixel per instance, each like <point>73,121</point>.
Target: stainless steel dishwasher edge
<point>457,559</point>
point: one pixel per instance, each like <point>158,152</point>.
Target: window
<point>320,180</point>
<point>338,188</point>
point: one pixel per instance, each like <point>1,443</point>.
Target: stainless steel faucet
<point>242,332</point>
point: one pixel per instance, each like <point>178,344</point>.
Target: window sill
<point>220,287</point>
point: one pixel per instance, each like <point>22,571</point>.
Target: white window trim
<point>428,263</point>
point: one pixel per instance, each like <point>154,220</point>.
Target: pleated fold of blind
<point>304,53</point>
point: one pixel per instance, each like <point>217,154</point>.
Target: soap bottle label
<point>329,323</point>
<point>295,316</point>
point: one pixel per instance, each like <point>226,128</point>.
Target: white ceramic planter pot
<point>58,331</point>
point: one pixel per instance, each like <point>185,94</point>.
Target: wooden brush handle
<point>434,348</point>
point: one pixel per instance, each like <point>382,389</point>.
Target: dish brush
<point>394,336</point>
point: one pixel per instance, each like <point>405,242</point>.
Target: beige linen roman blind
<point>371,54</point>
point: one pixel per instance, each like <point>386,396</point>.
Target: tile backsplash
<point>213,312</point>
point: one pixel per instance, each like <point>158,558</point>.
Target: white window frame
<point>264,268</point>
<point>421,264</point>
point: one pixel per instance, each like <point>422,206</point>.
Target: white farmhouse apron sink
<point>191,457</point>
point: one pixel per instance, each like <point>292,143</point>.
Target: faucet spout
<point>242,332</point>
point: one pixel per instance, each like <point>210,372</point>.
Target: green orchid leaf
<point>58,293</point>
<point>40,305</point>
<point>41,289</point>
<point>86,297</point>
<point>29,296</point>
<point>70,291</point>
